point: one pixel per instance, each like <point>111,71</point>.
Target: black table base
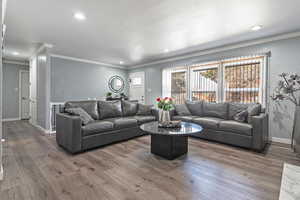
<point>169,147</point>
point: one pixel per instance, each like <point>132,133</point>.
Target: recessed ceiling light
<point>79,16</point>
<point>256,28</point>
<point>15,53</point>
<point>166,50</point>
<point>121,62</point>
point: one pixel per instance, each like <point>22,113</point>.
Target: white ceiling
<point>138,31</point>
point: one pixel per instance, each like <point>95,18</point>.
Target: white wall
<point>40,89</point>
<point>1,168</point>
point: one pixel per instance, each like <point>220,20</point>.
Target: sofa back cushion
<point>182,110</point>
<point>251,108</point>
<point>110,109</point>
<point>219,110</point>
<point>144,110</point>
<point>129,108</point>
<point>235,108</point>
<point>195,107</point>
<point>90,107</point>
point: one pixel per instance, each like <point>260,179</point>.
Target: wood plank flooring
<point>36,168</point>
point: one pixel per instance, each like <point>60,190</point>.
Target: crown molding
<point>87,61</point>
<point>7,61</point>
<point>221,49</point>
<point>43,46</point>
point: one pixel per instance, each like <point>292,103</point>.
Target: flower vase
<point>164,116</point>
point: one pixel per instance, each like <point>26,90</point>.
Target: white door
<point>24,92</point>
<point>137,86</point>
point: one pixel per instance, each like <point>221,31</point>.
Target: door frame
<point>144,75</point>
<point>20,91</point>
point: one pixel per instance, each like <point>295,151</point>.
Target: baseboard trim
<point>41,128</point>
<point>281,140</point>
<point>1,173</point>
<point>11,119</point>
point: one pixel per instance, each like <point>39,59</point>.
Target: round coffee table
<point>170,143</point>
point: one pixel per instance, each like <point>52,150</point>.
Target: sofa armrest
<point>260,124</point>
<point>68,132</point>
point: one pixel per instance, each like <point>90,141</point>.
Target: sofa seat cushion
<point>208,122</point>
<point>123,122</point>
<point>236,127</point>
<point>144,119</point>
<point>97,127</point>
<point>188,118</point>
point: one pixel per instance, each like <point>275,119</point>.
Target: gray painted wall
<point>74,80</point>
<point>285,58</point>
<point>11,90</point>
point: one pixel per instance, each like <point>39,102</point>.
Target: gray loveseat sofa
<point>220,122</point>
<point>112,122</point>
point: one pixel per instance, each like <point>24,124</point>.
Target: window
<point>204,83</point>
<point>136,81</point>
<point>242,82</point>
<point>175,84</point>
<point>233,80</point>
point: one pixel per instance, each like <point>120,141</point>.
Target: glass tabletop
<point>186,128</point>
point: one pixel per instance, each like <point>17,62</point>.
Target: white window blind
<point>175,84</point>
<point>204,82</point>
<point>232,80</point>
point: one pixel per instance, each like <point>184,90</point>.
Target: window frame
<point>221,65</point>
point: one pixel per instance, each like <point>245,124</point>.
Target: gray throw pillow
<point>84,116</point>
<point>144,109</point>
<point>253,110</point>
<point>195,107</point>
<point>235,108</point>
<point>182,110</point>
<point>91,107</point>
<point>129,108</point>
<point>110,109</point>
<point>241,116</point>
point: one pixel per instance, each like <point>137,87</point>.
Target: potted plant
<point>165,105</point>
<point>108,95</point>
<point>287,89</point>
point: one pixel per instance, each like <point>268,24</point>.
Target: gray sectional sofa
<point>244,125</point>
<point>108,122</point>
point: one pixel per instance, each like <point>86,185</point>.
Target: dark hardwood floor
<point>36,168</point>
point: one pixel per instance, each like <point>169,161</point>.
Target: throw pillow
<point>241,116</point>
<point>110,109</point>
<point>182,110</point>
<point>253,110</point>
<point>144,109</point>
<point>91,107</point>
<point>84,116</point>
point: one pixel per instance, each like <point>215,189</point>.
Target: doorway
<point>24,101</point>
<point>137,86</point>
